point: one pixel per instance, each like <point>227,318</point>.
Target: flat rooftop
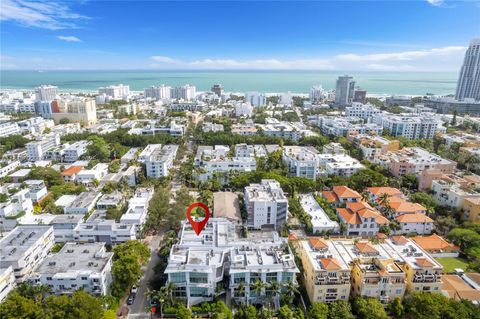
<point>14,245</point>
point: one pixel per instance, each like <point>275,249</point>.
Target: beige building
<point>81,110</point>
<point>326,275</point>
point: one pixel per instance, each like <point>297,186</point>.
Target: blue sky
<point>324,35</point>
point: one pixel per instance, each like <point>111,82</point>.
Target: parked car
<point>134,290</point>
<point>130,299</point>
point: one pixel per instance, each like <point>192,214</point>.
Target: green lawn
<point>449,264</point>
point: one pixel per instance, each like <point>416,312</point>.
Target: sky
<point>409,35</point>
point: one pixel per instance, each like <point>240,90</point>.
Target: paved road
<point>138,309</point>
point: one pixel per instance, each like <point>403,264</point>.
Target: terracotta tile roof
<point>365,247</point>
<point>434,243</point>
<point>349,216</point>
<point>406,207</point>
<point>473,200</point>
<point>390,191</point>
<point>72,170</point>
<point>414,218</point>
<point>330,196</point>
<point>330,264</point>
<point>381,220</point>
<point>356,206</point>
<point>345,192</point>
<point>423,262</point>
<point>459,289</point>
<point>381,236</point>
<point>292,237</point>
<point>318,243</point>
<point>399,240</point>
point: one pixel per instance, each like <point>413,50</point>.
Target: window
<point>196,277</point>
<point>238,278</point>
<point>271,276</point>
<point>198,292</point>
<point>178,277</point>
<point>179,292</point>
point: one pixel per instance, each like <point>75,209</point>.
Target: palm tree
<point>275,288</point>
<point>471,160</point>
<point>257,287</point>
<point>241,291</point>
<point>365,196</point>
<point>291,288</point>
<point>384,201</point>
<point>168,291</point>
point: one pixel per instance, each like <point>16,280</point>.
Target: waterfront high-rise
<point>344,90</point>
<point>46,93</point>
<point>469,80</point>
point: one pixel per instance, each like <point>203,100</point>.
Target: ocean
<point>376,83</point>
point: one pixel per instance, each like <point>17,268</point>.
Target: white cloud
<point>436,3</point>
<point>52,15</point>
<point>69,38</point>
<point>437,59</point>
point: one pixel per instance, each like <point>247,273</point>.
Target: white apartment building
<point>172,129</point>
<point>286,130</point>
<point>37,189</point>
<point>115,91</point>
<point>410,126</point>
<point>451,194</point>
<point>36,150</point>
<point>185,92</point>
<point>87,176</point>
<point>131,155</point>
<point>333,148</point>
<point>73,152</point>
<point>244,150</point>
<point>372,146</point>
<point>192,106</point>
<point>5,170</point>
<point>244,129</point>
<point>342,165</point>
<point>76,266</point>
<point>137,211</point>
<point>243,109</point>
<point>83,203</point>
<point>161,92</point>
<point>147,152</point>
<point>363,111</point>
<point>18,204</point>
<point>320,220</point>
<point>9,128</point>
<point>212,127</point>
<point>301,161</point>
<point>215,160</point>
<point>417,223</point>
<point>24,248</point>
<point>344,126</point>
<point>161,160</point>
<point>105,231</point>
<point>63,225</point>
<point>317,94</point>
<point>46,93</point>
<point>267,205</point>
<point>197,268</point>
<point>7,282</point>
<point>256,99</point>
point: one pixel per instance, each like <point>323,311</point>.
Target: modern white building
<point>243,109</point>
<point>46,93</point>
<point>192,106</point>
<point>286,130</point>
<point>18,205</point>
<point>73,152</point>
<point>161,92</point>
<point>76,266</point>
<point>105,231</point>
<point>197,268</point>
<point>342,165</point>
<point>317,94</point>
<point>360,110</point>
<point>267,205</point>
<point>161,160</point>
<point>216,160</point>
<point>451,194</point>
<point>410,126</point>
<point>24,248</point>
<point>185,92</point>
<point>256,99</point>
<point>63,225</point>
<point>301,161</point>
<point>37,190</point>
<point>344,126</point>
<point>9,128</point>
<point>88,176</point>
<point>212,127</point>
<point>137,211</point>
<point>83,203</point>
<point>5,170</point>
<point>36,150</point>
<point>7,281</point>
<point>320,220</point>
<point>244,150</point>
<point>115,91</point>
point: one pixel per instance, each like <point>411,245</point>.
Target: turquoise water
<point>411,83</point>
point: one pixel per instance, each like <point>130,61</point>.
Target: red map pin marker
<point>198,226</point>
